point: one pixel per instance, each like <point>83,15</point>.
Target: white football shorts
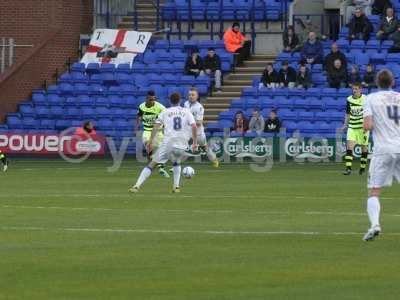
<point>383,168</point>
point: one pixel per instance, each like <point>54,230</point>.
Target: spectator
<point>303,79</point>
<point>272,124</point>
<point>380,6</point>
<point>290,40</point>
<point>354,76</point>
<point>369,78</point>
<point>257,122</point>
<point>365,5</point>
<point>334,55</point>
<point>269,78</point>
<point>212,65</point>
<point>359,27</point>
<point>236,42</point>
<point>87,130</point>
<point>313,51</point>
<point>287,76</point>
<point>240,123</point>
<point>395,37</point>
<point>388,25</point>
<point>194,64</point>
<point>337,78</point>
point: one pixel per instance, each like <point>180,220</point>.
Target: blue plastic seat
<point>14,122</point>
<point>27,110</point>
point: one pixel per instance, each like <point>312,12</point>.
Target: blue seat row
<point>201,10</point>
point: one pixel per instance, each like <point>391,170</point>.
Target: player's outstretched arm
<point>194,136</point>
<point>368,123</point>
<point>346,121</point>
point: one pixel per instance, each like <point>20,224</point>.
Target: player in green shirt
<point>148,113</point>
<point>356,135</point>
<point>4,161</point>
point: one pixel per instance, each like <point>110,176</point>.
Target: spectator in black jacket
<point>359,27</point>
<point>380,6</point>
<point>272,124</point>
<point>303,78</point>
<point>395,37</point>
<point>194,64</point>
<point>287,76</point>
<point>334,55</point>
<point>337,78</point>
<point>212,65</point>
<point>354,76</point>
<point>388,25</point>
<point>290,39</point>
<point>269,78</point>
<point>369,78</point>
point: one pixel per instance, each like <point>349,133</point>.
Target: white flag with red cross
<point>115,46</point>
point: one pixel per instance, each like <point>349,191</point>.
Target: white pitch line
<point>165,231</point>
<point>194,211</point>
<point>167,196</point>
<point>206,232</point>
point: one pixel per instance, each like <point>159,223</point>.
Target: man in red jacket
<point>87,130</point>
<point>236,42</point>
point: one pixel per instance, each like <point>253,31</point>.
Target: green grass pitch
<point>73,232</point>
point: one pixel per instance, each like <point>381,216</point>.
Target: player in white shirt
<point>198,112</point>
<point>179,126</point>
<point>382,116</point>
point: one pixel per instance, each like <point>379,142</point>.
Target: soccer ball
<point>188,172</point>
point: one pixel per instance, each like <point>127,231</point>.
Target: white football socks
<point>146,172</point>
<point>177,175</point>
<point>211,155</point>
<point>373,209</point>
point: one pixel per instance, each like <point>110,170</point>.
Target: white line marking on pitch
<point>166,196</point>
<point>165,231</point>
<point>196,211</point>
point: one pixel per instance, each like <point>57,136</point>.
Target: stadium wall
<point>53,28</point>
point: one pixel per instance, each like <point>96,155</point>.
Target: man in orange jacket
<point>236,42</point>
<point>86,131</point>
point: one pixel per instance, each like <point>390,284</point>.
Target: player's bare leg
<point>363,160</point>
<point>177,170</point>
<point>211,155</point>
<point>144,175</point>
<point>160,167</point>
<point>349,158</point>
<point>373,209</point>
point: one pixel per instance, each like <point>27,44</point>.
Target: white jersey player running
<point>197,110</point>
<point>382,116</point>
<point>179,126</point>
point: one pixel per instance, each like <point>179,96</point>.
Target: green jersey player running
<point>356,135</point>
<point>148,113</point>
<point>4,161</point>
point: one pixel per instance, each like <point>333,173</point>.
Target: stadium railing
<point>7,52</point>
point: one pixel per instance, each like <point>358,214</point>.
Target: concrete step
<point>143,15</point>
<point>221,106</point>
<point>211,119</point>
<point>242,83</point>
<point>256,63</point>
<point>262,57</point>
<point>221,99</point>
<point>213,111</point>
<point>249,70</point>
<point>232,88</point>
<point>229,94</point>
<point>242,76</point>
<point>216,99</point>
<point>147,28</point>
<point>144,5</point>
